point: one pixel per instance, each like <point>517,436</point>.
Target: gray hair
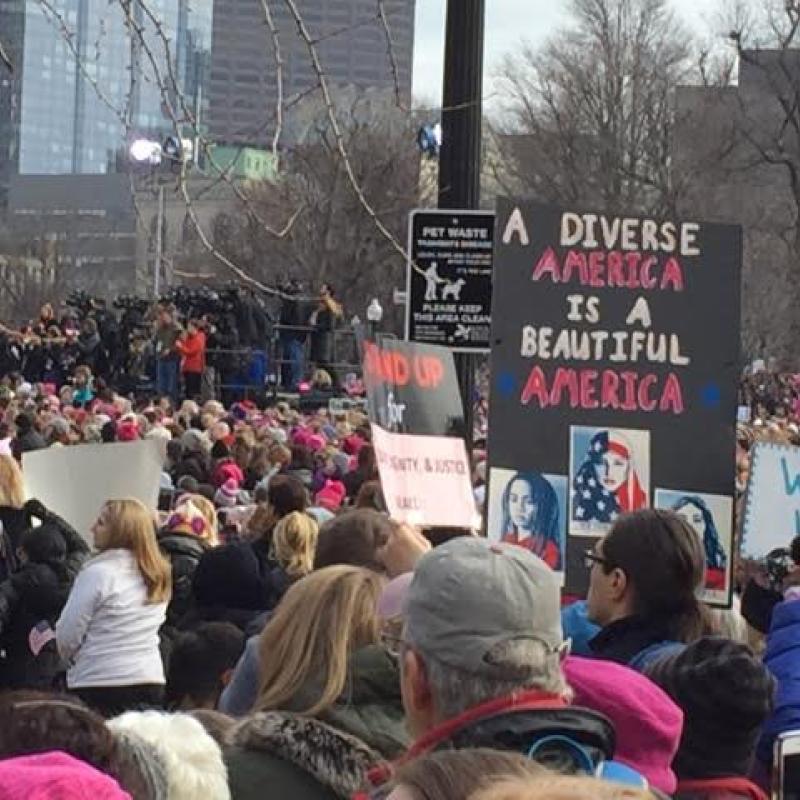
<point>527,663</point>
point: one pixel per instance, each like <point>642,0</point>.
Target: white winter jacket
<point>108,632</point>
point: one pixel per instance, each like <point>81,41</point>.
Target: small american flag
<point>40,635</point>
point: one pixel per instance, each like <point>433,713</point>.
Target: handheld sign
<point>417,418</point>
<point>449,283</point>
<point>76,482</point>
<point>772,506</point>
<point>614,370</point>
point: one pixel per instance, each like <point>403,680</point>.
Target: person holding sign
<point>530,517</point>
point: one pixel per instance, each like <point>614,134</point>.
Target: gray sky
<point>507,22</point>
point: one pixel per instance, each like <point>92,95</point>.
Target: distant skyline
<point>507,23</point>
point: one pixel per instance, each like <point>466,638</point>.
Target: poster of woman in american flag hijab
<point>609,474</point>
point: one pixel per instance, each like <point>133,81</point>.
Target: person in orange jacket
<point>192,347</point>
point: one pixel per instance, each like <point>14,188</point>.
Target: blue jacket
<point>782,658</point>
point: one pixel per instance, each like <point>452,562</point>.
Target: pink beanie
<point>315,442</point>
<point>226,471</point>
<point>331,495</point>
<point>648,723</point>
<point>127,431</point>
<point>51,776</point>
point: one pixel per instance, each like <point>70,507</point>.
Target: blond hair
<point>321,621</point>
<point>12,485</point>
<point>558,787</point>
<point>294,542</point>
<point>128,525</point>
<point>322,378</point>
<point>209,512</point>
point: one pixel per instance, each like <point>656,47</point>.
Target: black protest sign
<point>615,352</point>
<point>450,279</point>
<point>412,388</point>
<point>417,423</point>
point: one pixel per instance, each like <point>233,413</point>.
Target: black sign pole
<point>460,157</point>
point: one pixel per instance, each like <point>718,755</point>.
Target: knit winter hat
<point>228,494</point>
<point>192,759</point>
<point>189,520</point>
<point>56,775</point>
<point>226,471</point>
<point>147,762</point>
<point>315,442</point>
<point>331,495</point>
<point>726,693</point>
<point>230,577</point>
<point>127,431</point>
<point>647,721</point>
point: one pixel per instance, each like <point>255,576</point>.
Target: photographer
<point>292,337</point>
<point>167,355</point>
<point>89,345</point>
<point>767,583</point>
<point>325,319</point>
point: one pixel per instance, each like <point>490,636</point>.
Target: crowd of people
<point>269,631</point>
<point>186,345</point>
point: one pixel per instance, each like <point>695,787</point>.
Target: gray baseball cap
<point>470,595</point>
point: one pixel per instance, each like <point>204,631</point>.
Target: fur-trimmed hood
<point>336,760</point>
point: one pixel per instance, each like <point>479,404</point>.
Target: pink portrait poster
<point>425,479</point>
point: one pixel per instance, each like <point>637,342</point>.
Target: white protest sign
<point>425,479</point>
<point>772,506</point>
<point>75,482</point>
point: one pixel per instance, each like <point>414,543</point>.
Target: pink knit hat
<point>331,495</point>
<point>227,495</point>
<point>648,723</point>
<point>226,471</point>
<point>315,442</point>
<point>127,430</point>
<point>56,775</point>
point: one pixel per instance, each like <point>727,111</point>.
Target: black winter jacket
<point>184,552</point>
<point>35,596</point>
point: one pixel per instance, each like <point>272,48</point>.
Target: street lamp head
<point>145,151</point>
<point>374,310</point>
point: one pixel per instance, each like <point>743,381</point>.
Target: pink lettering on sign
<point>590,389</point>
<point>614,269</point>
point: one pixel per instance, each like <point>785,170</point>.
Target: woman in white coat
<point>108,630</point>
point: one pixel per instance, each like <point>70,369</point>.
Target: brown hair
<point>353,537</point>
<point>664,562</point>
<point>128,525</point>
<point>449,774</point>
<point>370,495</point>
<point>320,622</point>
<point>35,722</point>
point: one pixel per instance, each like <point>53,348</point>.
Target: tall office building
<point>52,119</point>
<point>352,46</point>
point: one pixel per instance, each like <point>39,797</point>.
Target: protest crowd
<point>270,632</point>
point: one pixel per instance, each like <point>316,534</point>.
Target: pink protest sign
<point>425,479</point>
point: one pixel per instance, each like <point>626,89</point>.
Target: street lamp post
<point>460,155</point>
<point>374,317</point>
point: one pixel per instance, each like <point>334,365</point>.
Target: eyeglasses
<point>590,558</point>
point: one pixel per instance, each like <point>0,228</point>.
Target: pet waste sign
<point>449,279</point>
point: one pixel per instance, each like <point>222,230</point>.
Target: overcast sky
<point>507,22</point>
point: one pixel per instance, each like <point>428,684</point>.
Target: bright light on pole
<point>145,151</point>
